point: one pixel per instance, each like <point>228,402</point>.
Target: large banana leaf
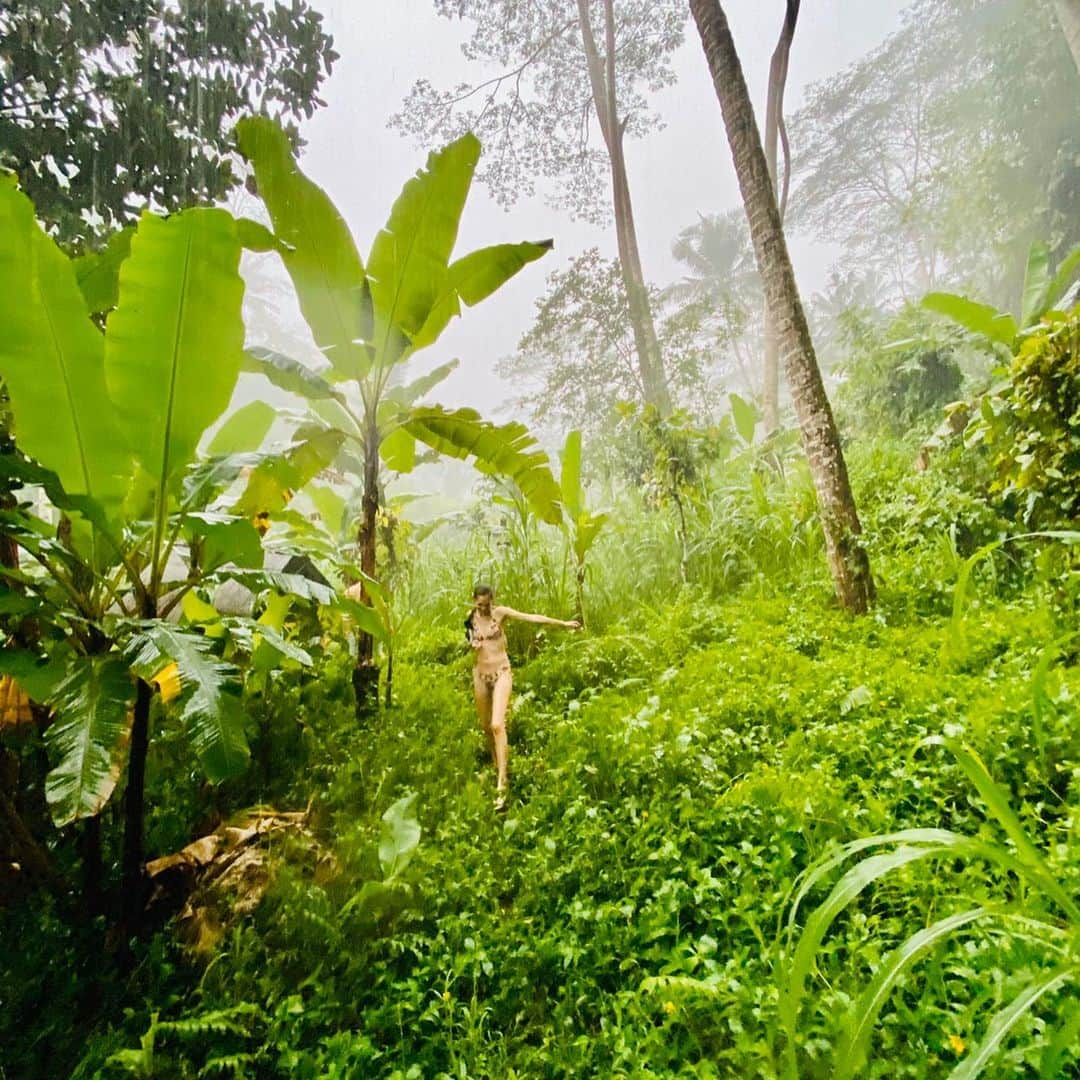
<point>586,528</point>
<point>51,359</point>
<point>407,267</point>
<point>98,272</point>
<point>981,319</point>
<point>209,706</point>
<point>508,450</point>
<point>570,478</point>
<point>1036,283</point>
<point>410,393</point>
<point>1063,278</point>
<point>222,538</point>
<point>319,251</point>
<point>1042,290</point>
<point>88,739</point>
<point>289,374</point>
<point>277,478</point>
<point>475,277</point>
<point>173,344</point>
<point>398,451</point>
<point>244,430</point>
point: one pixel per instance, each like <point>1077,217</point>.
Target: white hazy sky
<point>386,45</point>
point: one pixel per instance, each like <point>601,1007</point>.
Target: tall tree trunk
<point>646,344</point>
<point>1068,13</point>
<point>132,883</point>
<point>775,131</point>
<point>93,898</point>
<point>847,557</point>
<point>366,673</point>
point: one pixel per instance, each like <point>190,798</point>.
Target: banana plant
<point>1043,291</point>
<point>114,374</point>
<point>580,525</point>
<point>370,319</point>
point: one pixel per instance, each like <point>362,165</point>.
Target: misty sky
<point>674,174</point>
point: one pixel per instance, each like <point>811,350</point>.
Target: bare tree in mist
<point>565,70</point>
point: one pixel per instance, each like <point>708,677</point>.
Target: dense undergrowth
<point>675,768</point>
<point>672,774</point>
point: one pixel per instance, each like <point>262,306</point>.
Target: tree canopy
<point>536,113</point>
<point>944,153</point>
<point>110,106</point>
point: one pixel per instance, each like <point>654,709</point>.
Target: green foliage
<point>675,772</point>
<point>502,450</point>
<point>1025,917</point>
<point>53,356</point>
<point>89,738</point>
<point>897,374</point>
<point>1042,291</point>
<point>132,103</point>
<point>1030,426</point>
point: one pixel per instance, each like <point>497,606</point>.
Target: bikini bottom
<point>491,678</point>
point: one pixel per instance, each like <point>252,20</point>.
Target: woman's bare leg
<point>500,703</point>
<point>482,694</point>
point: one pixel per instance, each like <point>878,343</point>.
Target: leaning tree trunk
<point>646,344</point>
<point>1068,13</point>
<point>847,557</point>
<point>366,673</point>
<point>775,131</point>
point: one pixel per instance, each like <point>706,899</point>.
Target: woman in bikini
<point>492,680</point>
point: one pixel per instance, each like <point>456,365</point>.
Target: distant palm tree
<point>723,282</point>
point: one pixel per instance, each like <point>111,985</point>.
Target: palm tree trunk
<point>1068,13</point>
<point>646,344</point>
<point>774,133</point>
<point>836,506</point>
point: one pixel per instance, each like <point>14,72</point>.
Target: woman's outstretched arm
<point>509,613</point>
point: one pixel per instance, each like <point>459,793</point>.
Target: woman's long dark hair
<point>480,590</point>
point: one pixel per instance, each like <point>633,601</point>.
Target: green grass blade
<point>998,803</point>
<point>1065,1039</point>
<point>864,1013</point>
<point>830,861</point>
<point>1005,1019</point>
<point>846,890</point>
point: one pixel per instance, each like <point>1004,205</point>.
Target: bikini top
<point>491,635</point>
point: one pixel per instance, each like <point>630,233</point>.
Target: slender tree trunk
<point>775,131</point>
<point>579,592</point>
<point>93,898</point>
<point>366,673</point>
<point>132,884</point>
<point>840,522</point>
<point>646,344</point>
<point>388,699</point>
<point>1068,13</point>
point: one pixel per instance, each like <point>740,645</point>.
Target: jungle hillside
<point>540,540</point>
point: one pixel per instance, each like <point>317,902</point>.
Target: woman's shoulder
<point>501,611</point>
